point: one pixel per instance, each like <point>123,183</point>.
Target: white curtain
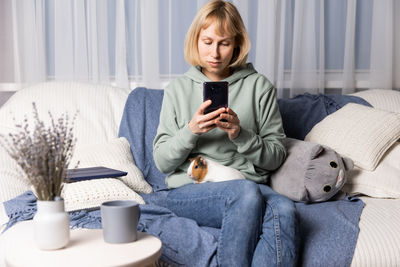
<point>6,44</point>
<point>385,45</point>
<point>301,46</point>
<point>28,39</point>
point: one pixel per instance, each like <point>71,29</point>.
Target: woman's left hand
<point>231,125</point>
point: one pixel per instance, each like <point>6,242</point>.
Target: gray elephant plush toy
<point>311,172</point>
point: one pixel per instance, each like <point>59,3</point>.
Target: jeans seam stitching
<point>197,198</point>
<point>277,235</point>
<point>223,224</point>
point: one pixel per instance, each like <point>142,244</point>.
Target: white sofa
<point>100,110</point>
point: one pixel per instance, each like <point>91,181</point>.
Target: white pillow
<point>383,182</point>
<point>100,108</point>
<point>114,154</point>
<point>388,100</point>
<point>91,193</point>
<point>359,132</point>
<point>3,219</point>
<point>13,181</point>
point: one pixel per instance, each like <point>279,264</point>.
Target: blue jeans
<point>279,241</point>
<point>236,207</point>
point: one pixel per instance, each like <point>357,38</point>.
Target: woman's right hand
<point>202,123</point>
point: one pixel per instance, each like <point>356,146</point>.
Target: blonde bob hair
<point>227,18</point>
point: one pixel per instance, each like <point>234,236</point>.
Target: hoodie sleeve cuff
<point>244,138</point>
<point>187,139</point>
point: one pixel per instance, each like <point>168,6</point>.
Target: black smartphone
<point>218,93</point>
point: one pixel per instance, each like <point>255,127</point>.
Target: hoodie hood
<point>195,74</point>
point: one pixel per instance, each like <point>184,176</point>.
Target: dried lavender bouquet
<point>43,154</point>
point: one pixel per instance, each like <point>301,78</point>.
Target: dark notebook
<point>81,174</point>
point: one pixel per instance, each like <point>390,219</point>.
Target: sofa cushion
<point>361,133</point>
<point>381,99</point>
<point>13,180</point>
<point>91,193</point>
<point>383,182</point>
<point>114,154</point>
<point>99,113</point>
<point>99,108</point>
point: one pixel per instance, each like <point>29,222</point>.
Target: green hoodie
<point>256,151</point>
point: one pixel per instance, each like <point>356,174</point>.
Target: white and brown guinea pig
<point>203,170</point>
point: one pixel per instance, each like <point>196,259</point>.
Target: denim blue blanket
<point>329,230</point>
<point>184,243</point>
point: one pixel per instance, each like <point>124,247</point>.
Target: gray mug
<point>119,220</point>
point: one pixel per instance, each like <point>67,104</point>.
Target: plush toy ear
<point>316,150</point>
<point>348,163</point>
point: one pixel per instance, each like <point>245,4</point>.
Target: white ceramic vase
<point>51,225</point>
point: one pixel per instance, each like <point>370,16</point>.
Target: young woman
<point>258,226</point>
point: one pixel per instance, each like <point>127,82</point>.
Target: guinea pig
<point>203,170</point>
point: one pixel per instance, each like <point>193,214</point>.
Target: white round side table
<point>85,248</point>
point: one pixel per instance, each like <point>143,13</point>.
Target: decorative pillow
<point>361,133</point>
<point>383,182</point>
<point>91,193</point>
<point>382,99</point>
<point>100,108</point>
<point>13,181</point>
<point>114,154</point>
<point>3,218</point>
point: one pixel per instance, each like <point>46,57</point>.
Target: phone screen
<point>218,93</point>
